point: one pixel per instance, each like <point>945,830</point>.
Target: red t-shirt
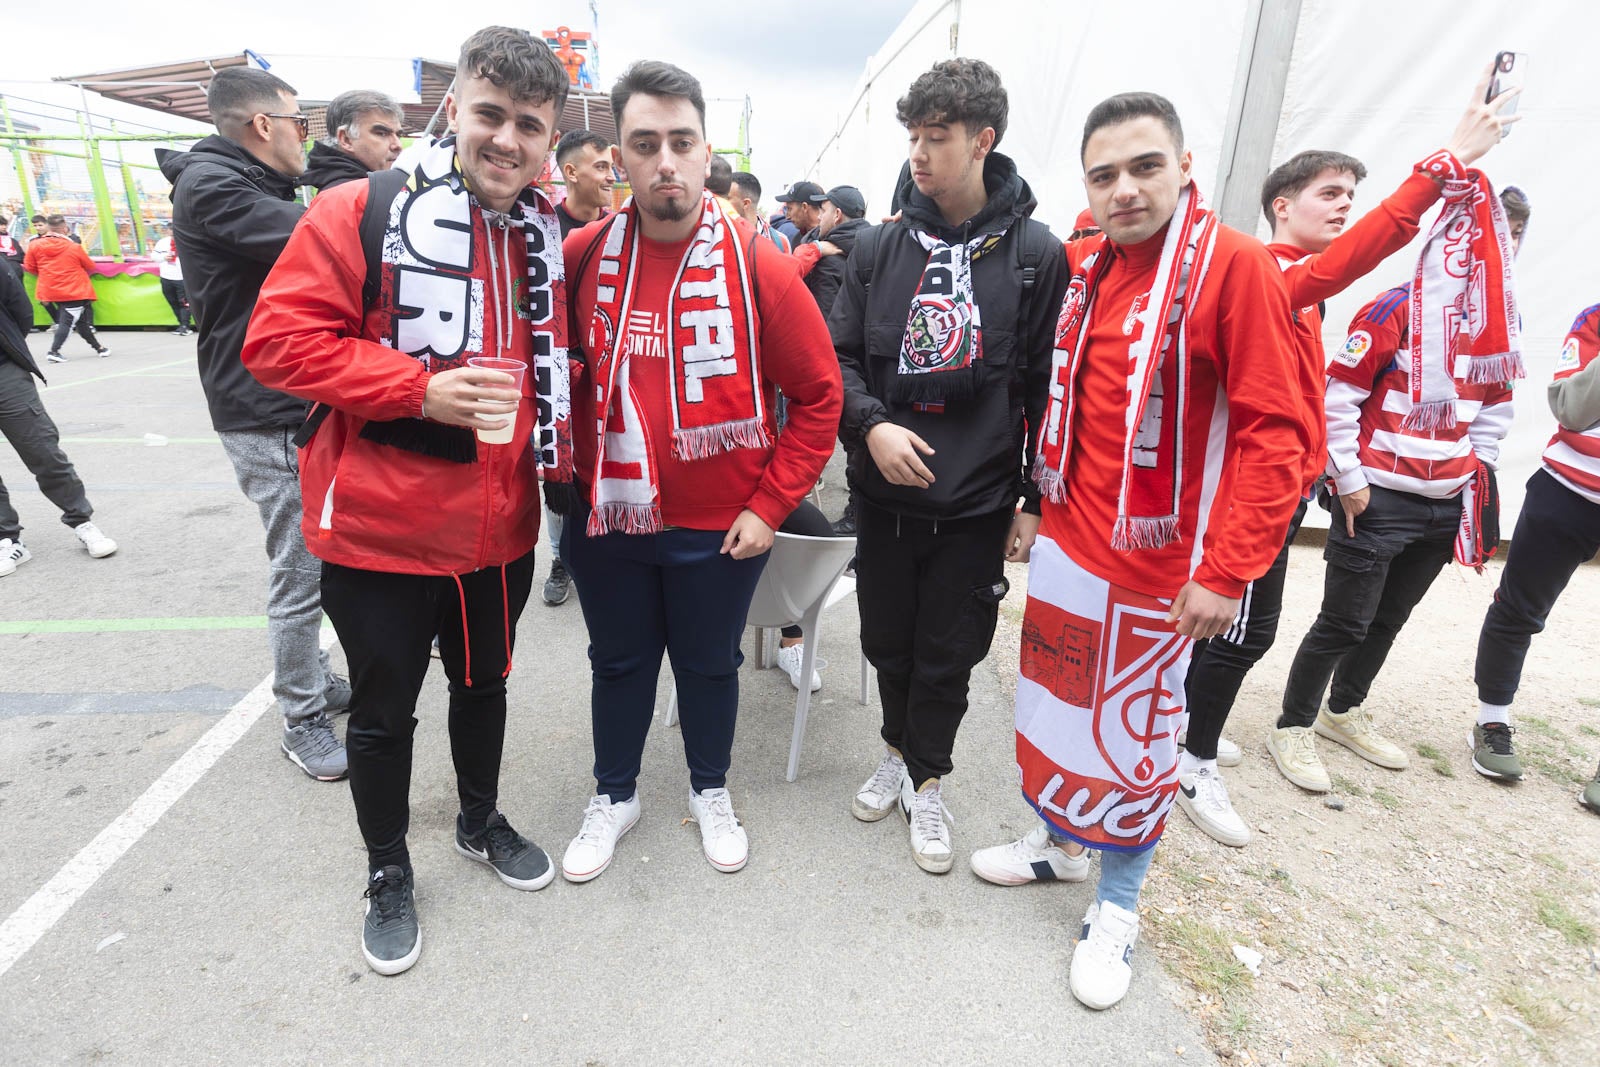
<point>796,355</point>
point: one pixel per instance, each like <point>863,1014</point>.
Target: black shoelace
<point>389,898</point>
<point>1497,735</point>
<point>500,839</point>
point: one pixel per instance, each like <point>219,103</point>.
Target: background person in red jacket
<point>687,322</point>
<point>63,268</point>
<point>422,528</point>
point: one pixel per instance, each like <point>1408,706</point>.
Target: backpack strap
<point>1030,254</point>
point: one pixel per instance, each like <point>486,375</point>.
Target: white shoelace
<point>1302,748</point>
<point>928,815</point>
<point>886,779</point>
<point>1212,793</point>
<point>1109,937</point>
<point>719,818</point>
<point>598,818</point>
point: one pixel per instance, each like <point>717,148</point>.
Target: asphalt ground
<point>173,890</point>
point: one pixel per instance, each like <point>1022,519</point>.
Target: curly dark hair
<point>517,62</point>
<point>963,90</point>
<point>1300,171</point>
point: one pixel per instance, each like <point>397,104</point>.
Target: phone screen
<point>1510,72</point>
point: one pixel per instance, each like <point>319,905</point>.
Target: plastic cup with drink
<point>517,369</point>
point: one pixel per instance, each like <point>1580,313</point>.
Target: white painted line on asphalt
<point>25,926</point>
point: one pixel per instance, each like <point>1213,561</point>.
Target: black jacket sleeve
<point>1039,341</point>
<point>824,281</point>
<point>14,298</point>
<point>240,216</point>
<point>848,325</point>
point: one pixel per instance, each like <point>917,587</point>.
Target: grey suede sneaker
<point>391,937</point>
<point>337,694</point>
<point>312,747</point>
<point>520,863</point>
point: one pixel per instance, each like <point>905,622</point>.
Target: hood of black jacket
<point>330,165</point>
<point>844,235</point>
<point>218,149</point>
<point>1010,199</point>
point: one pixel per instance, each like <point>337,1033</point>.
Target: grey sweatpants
<point>268,468</point>
<point>29,428</point>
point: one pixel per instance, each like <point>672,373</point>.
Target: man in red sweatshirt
<point>1169,465</point>
<point>1307,200</point>
<point>686,321</point>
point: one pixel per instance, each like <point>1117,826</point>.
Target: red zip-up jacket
<point>369,505</point>
<point>63,268</point>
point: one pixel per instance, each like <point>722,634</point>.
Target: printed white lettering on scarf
<point>438,306</point>
<point>712,353</point>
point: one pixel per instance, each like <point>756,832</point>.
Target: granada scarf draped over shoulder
<point>1158,366</point>
<point>713,366</point>
<point>429,272</point>
<point>1464,325</point>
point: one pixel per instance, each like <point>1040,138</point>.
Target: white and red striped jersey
<point>1573,455</point>
<point>1369,396</point>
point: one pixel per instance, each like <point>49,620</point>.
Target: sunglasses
<point>302,121</point>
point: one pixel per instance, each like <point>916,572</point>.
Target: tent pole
<point>1254,109</point>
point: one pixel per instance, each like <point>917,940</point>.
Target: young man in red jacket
<point>423,528</point>
<point>1169,465</point>
<point>1307,200</point>
<point>63,269</point>
<point>686,321</point>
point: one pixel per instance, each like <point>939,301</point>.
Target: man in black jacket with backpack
<point>944,327</point>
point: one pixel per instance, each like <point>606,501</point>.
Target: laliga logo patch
<point>1355,346</point>
<point>1568,360</point>
<point>934,337</point>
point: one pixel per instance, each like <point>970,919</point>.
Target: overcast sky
<point>797,62</point>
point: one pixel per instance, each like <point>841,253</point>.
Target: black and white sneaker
<point>520,863</point>
<point>391,938</point>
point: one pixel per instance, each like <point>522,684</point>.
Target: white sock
<point>1188,765</point>
<point>1488,713</point>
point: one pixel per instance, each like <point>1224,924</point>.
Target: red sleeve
<point>1357,251</point>
<point>1373,340</point>
<point>807,256</point>
<point>1581,346</point>
<point>84,260</point>
<point>1255,353</point>
<point>305,337</point>
<point>796,356</point>
<point>30,261</point>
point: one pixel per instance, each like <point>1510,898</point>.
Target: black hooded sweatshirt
<point>329,165</point>
<point>828,273</point>
<point>983,444</point>
<point>232,216</point>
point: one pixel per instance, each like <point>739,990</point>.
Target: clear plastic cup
<point>517,369</point>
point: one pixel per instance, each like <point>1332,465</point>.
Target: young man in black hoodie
<point>944,330</point>
<point>233,209</point>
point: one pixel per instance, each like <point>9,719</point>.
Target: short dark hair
<point>654,77</point>
<point>1515,201</point>
<point>1301,169</point>
<point>719,176</point>
<point>238,94</point>
<point>517,62</point>
<point>38,218</point>
<point>346,108</point>
<point>748,184</point>
<point>575,142</point>
<point>962,90</point>
<point>55,220</point>
<point>1125,107</point>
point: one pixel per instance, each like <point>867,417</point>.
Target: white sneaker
<point>1035,858</point>
<point>1228,753</point>
<point>98,544</point>
<point>721,835</point>
<point>604,823</point>
<point>13,554</point>
<point>1355,731</point>
<point>881,792</point>
<point>1204,798</point>
<point>1101,967</point>
<point>1294,750</point>
<point>929,824</point>
<point>790,659</point>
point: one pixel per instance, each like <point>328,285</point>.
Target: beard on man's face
<point>669,209</point>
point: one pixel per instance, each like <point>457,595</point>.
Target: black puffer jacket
<point>329,165</point>
<point>826,277</point>
<point>231,215</point>
<point>16,319</point>
<point>983,445</point>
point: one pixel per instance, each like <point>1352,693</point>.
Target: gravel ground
<point>1421,916</point>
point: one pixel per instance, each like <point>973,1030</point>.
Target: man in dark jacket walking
<point>233,209</point>
<point>943,328</point>
<point>26,424</point>
<point>363,135</point>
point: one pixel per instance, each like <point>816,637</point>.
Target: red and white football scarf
<point>1149,501</point>
<point>1478,535</point>
<point>943,340</point>
<point>1464,325</point>
<point>1100,698</point>
<point>713,366</point>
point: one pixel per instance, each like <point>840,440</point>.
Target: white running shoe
<point>929,825</point>
<point>14,554</point>
<point>1204,798</point>
<point>1228,753</point>
<point>1102,961</point>
<point>1035,858</point>
<point>790,658</point>
<point>1294,750</point>
<point>99,545</point>
<point>721,834</point>
<point>878,796</point>
<point>604,823</point>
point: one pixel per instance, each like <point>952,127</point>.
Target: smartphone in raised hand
<point>1510,72</point>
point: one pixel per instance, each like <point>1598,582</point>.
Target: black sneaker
<point>846,524</point>
<point>558,586</point>
<point>391,940</point>
<point>520,863</point>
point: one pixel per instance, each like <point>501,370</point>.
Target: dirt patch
<point>1437,918</point>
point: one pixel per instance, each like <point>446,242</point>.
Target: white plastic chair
<point>804,577</point>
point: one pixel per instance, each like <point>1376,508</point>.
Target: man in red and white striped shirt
<point>1404,485</point>
<point>1558,530</point>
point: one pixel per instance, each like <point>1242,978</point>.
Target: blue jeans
<point>1121,874</point>
<point>643,594</point>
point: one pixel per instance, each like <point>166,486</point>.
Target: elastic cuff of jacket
<point>419,393</point>
<point>1220,584</point>
<point>870,421</point>
<point>1032,504</point>
<point>1351,481</point>
<point>769,509</point>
